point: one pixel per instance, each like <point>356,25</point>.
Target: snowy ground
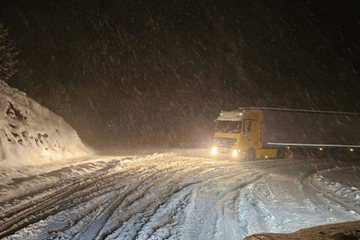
<point>176,195</point>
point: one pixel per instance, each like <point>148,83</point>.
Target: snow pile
<point>30,134</point>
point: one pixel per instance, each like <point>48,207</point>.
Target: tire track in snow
<point>181,182</point>
<point>79,198</point>
<point>100,221</point>
<point>135,205</point>
<point>209,220</point>
<point>48,192</point>
<point>227,224</point>
<point>226,227</point>
<point>143,214</point>
<point>49,205</point>
<point>215,224</point>
<point>170,197</point>
<point>114,201</point>
<point>201,168</point>
<point>263,214</point>
<point>328,200</point>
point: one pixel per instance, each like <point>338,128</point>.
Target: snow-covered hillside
<point>30,134</point>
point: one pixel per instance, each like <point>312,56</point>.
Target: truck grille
<point>225,142</point>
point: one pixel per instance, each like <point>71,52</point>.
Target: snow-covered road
<point>176,196</point>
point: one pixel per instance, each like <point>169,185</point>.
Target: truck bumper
<point>227,153</point>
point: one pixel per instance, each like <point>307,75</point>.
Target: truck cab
<point>238,134</point>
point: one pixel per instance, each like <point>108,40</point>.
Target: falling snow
<point>139,80</point>
<point>136,73</point>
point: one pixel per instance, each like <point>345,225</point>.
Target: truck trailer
<point>262,133</point>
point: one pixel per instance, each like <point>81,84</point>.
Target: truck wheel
<point>250,154</point>
<point>280,154</point>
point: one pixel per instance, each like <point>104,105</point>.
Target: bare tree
<point>8,55</point>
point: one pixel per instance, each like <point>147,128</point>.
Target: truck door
<point>247,133</point>
<point>251,134</point>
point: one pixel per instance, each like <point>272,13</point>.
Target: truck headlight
<point>214,150</point>
<point>234,153</point>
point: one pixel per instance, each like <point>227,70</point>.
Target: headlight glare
<point>214,150</point>
<point>234,153</point>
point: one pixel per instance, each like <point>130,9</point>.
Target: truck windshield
<point>228,126</point>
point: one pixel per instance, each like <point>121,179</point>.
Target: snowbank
<point>30,134</point>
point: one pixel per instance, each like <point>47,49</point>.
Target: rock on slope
<point>338,231</point>
<point>30,134</point>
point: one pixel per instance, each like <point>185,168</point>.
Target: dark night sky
<point>125,72</point>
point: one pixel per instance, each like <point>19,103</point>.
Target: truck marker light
<point>214,150</point>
